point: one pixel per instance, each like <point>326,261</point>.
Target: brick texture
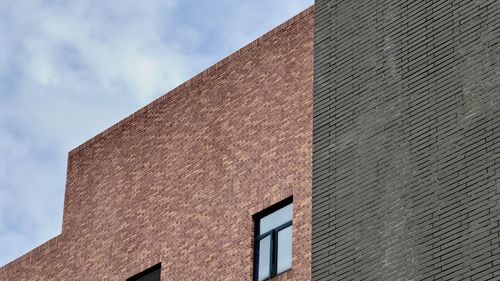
<point>406,146</point>
<point>178,181</point>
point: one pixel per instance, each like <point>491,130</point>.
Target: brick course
<point>178,181</point>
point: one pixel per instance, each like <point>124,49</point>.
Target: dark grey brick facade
<point>406,161</point>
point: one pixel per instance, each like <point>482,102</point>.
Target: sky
<point>70,69</point>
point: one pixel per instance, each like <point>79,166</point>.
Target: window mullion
<point>271,259</point>
<point>283,226</point>
<point>274,269</point>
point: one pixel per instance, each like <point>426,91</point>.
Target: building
<point>180,184</point>
<point>406,173</point>
<point>386,167</point>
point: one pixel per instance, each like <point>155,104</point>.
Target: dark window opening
<point>150,274</point>
<point>273,241</point>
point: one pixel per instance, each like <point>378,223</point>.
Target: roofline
<point>44,248</point>
<point>195,79</point>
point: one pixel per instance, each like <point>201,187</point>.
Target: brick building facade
<point>179,181</point>
<point>392,157</point>
<point>406,173</point>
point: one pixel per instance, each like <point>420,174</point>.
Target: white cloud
<point>69,69</point>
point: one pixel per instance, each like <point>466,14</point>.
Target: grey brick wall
<point>406,147</point>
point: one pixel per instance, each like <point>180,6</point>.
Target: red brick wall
<point>179,181</point>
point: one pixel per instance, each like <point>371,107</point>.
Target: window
<point>273,241</point>
<point>150,274</point>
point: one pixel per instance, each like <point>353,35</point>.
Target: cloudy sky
<point>70,69</point>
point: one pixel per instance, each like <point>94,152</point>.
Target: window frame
<point>273,261</point>
<point>156,267</point>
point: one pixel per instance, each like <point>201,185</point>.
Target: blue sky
<point>70,69</point>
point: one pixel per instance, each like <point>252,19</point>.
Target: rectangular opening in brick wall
<point>273,240</point>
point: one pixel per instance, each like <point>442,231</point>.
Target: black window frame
<point>273,261</point>
<point>156,267</point>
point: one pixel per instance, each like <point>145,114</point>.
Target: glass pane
<point>285,249</point>
<point>264,257</point>
<point>276,219</point>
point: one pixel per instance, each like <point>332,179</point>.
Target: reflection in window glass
<point>264,257</point>
<point>276,219</point>
<point>285,249</point>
